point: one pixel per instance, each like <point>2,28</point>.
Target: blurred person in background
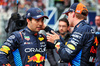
<point>61,5</point>
<point>84,2</point>
<point>41,5</point>
<point>95,49</point>
<point>97,30</point>
<point>63,31</point>
<point>93,3</point>
<point>28,3</point>
<point>97,23</point>
<point>35,3</point>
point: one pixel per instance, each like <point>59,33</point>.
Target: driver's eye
<point>37,19</point>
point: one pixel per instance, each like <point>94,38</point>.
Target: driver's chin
<point>37,30</point>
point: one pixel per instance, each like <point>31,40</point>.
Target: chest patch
<point>41,38</point>
<point>27,38</point>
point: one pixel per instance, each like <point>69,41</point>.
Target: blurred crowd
<point>23,5</point>
<point>26,4</point>
<point>7,7</point>
<point>91,4</point>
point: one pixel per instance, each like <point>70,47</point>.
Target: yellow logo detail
<point>5,49</point>
<point>39,58</point>
<point>96,41</point>
<point>41,38</point>
<point>65,43</point>
<point>71,46</point>
<point>57,46</point>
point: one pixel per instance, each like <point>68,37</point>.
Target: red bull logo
<point>6,64</point>
<point>27,38</point>
<point>36,58</point>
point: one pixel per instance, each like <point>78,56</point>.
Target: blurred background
<point>52,8</point>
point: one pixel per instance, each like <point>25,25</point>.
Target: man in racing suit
<point>78,47</point>
<point>31,45</point>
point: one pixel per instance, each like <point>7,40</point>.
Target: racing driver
<point>31,45</point>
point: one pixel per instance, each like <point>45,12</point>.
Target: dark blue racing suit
<point>32,47</point>
<point>78,47</point>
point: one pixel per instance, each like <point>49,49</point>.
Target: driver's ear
<point>28,20</point>
<point>73,14</point>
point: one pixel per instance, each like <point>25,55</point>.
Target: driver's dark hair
<point>30,18</point>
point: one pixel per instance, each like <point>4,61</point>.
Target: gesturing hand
<point>52,37</point>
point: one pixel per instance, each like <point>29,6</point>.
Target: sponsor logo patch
<point>41,38</point>
<point>36,58</point>
<point>28,43</point>
<point>5,49</point>
<point>12,37</point>
<point>57,46</point>
<point>71,46</point>
<point>27,38</point>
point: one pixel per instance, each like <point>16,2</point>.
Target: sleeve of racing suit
<point>49,45</point>
<point>8,46</point>
<point>74,45</point>
<point>48,29</point>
